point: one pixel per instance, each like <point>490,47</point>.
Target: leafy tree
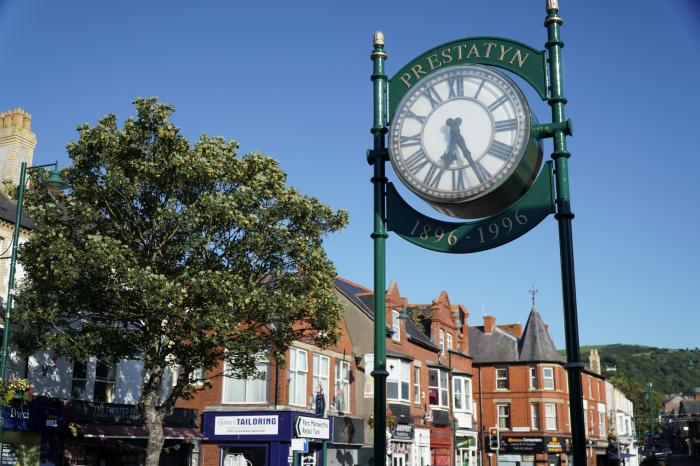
<point>178,255</point>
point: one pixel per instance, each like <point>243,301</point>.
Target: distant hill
<point>667,369</point>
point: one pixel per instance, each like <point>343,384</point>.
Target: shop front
<point>533,450</point>
<point>466,453</point>
<point>440,446</point>
<point>31,432</point>
<point>402,436</point>
<point>267,438</point>
<point>421,447</point>
<point>106,434</point>
<point>346,441</point>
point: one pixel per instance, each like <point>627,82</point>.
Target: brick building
<point>521,389</point>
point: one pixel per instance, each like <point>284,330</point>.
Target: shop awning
<point>114,431</point>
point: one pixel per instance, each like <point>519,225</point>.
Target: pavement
<point>685,460</point>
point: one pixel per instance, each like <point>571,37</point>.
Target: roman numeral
<point>433,97</point>
<point>456,86</point>
<point>481,172</point>
<point>420,119</point>
<point>500,150</point>
<point>481,86</point>
<point>432,178</point>
<point>506,125</point>
<point>416,161</point>
<point>498,103</point>
<point>458,180</point>
<point>410,140</point>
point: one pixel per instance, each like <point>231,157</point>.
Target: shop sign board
<point>246,425</point>
<point>402,432</point>
<point>9,455</point>
<point>514,458</point>
<point>312,427</point>
<point>466,442</point>
<point>522,444</point>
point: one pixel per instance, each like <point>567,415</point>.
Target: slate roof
<point>501,346</point>
<point>689,407</point>
<point>8,211</point>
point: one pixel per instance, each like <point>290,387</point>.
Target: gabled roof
<point>497,346</point>
<point>536,344</point>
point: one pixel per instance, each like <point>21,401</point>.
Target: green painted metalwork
<point>513,56</point>
<point>564,216</point>
<point>378,157</point>
<point>466,237</point>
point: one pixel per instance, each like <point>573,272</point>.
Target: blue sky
<point>291,79</point>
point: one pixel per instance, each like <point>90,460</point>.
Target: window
<point>462,393</point>
<point>395,326</point>
<point>105,374</point>
<point>601,423</point>
<point>416,384</point>
<point>550,416</point>
<point>437,388</point>
<point>548,377</point>
<point>78,391</point>
<point>398,382</point>
<point>341,394</point>
<point>535,415</point>
<point>442,342</point>
<point>197,376</point>
<point>600,390</point>
<point>297,376</point>
<point>251,390</point>
<point>449,341</point>
<point>590,388</point>
<point>502,378</point>
<point>321,374</point>
<point>533,378</point>
<point>503,410</point>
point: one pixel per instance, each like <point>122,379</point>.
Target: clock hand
<point>450,154</point>
<point>456,138</point>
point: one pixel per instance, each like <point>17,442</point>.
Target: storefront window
<point>341,400</point>
<point>462,393</point>
<point>252,390</point>
<point>321,374</point>
<point>78,388</point>
<point>298,368</point>
<point>437,387</point>
<point>398,382</point>
<point>105,374</point>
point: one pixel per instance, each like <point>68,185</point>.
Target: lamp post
<point>54,184</point>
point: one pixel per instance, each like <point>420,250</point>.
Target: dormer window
<point>442,342</point>
<point>449,341</point>
<point>395,326</point>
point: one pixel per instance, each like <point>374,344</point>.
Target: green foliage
<point>18,390</point>
<point>176,254</point>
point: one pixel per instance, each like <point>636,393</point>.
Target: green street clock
<point>461,139</point>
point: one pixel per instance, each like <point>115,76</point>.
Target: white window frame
<point>601,423</point>
<point>400,374</point>
<point>449,341</point>
<point>395,326</point>
<point>503,419</point>
<point>500,379</point>
<point>442,389</point>
<point>533,378</point>
<point>319,376</point>
<point>550,416</point>
<point>462,390</point>
<point>108,382</point>
<point>535,421</point>
<point>341,393</point>
<point>296,375</point>
<point>590,387</point>
<point>416,384</point>
<point>546,380</point>
<point>261,366</point>
<point>441,341</point>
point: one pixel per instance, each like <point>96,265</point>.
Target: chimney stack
<point>594,361</point>
<point>489,324</point>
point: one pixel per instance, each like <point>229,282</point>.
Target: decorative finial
<point>533,291</point>
<point>378,39</point>
<point>552,5</point>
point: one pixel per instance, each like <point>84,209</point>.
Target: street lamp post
<point>54,184</point>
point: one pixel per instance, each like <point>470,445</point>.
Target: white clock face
<point>459,133</point>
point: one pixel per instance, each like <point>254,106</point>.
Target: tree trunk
<point>153,418</point>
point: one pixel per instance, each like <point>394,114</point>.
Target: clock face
<point>459,133</point>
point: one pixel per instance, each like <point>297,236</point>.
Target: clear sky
<point>291,79</point>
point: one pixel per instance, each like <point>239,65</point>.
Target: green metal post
<point>11,284</point>
<point>651,417</point>
<point>564,217</point>
<point>378,157</point>
<point>325,453</point>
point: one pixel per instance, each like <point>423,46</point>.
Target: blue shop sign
<point>257,425</point>
<point>37,415</point>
